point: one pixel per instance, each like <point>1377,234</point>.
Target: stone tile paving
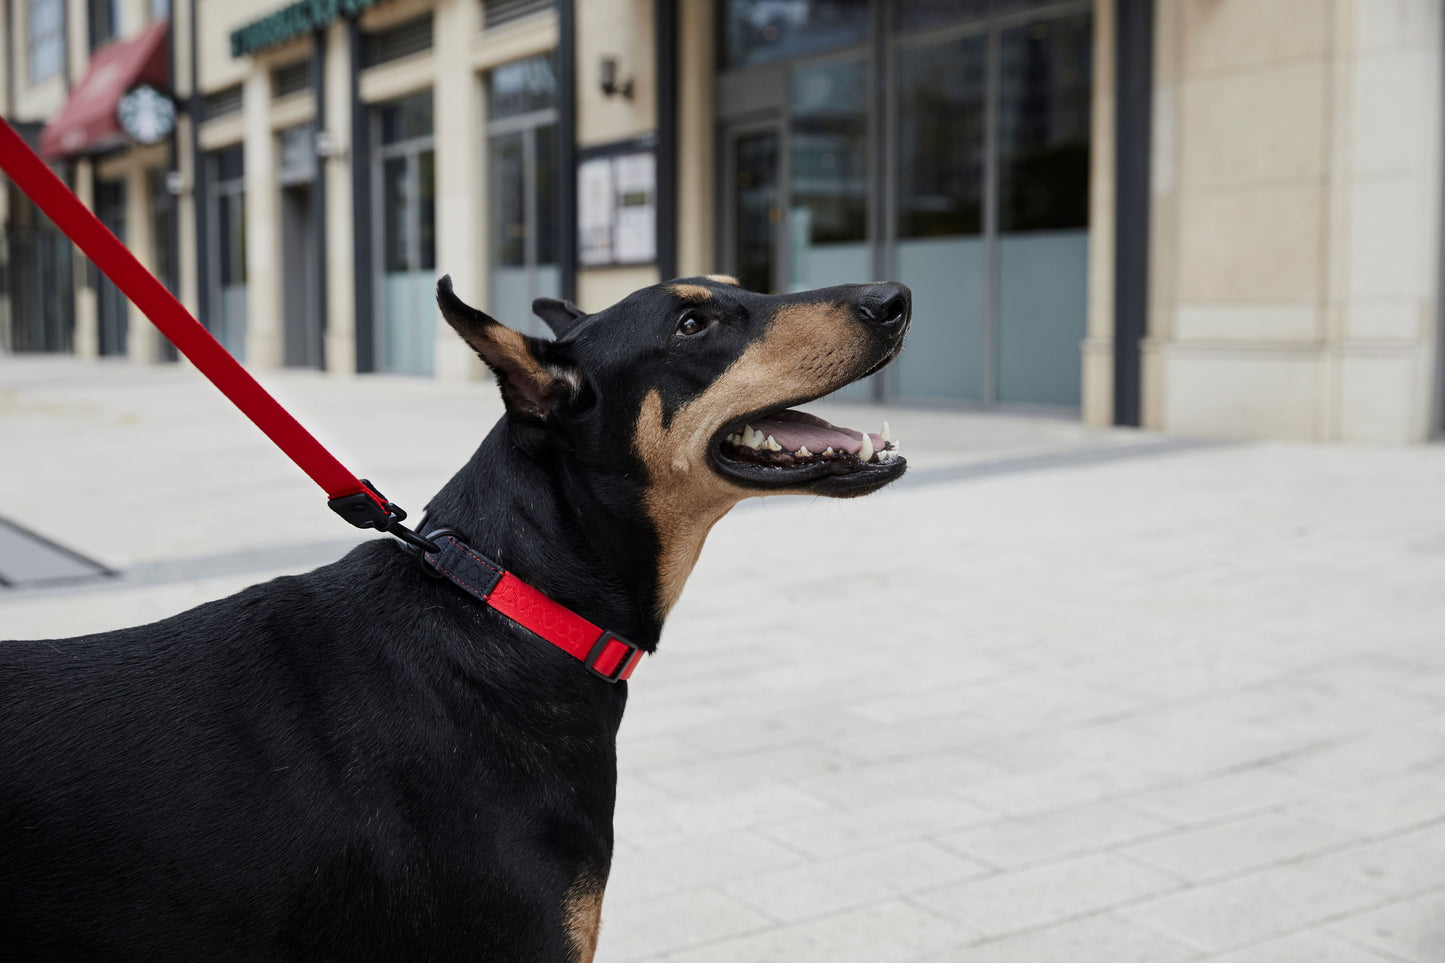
<point>1031,704</point>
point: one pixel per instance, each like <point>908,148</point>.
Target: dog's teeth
<point>803,452</point>
<point>884,433</point>
<point>773,444</point>
<point>866,452</point>
<point>885,455</point>
<point>828,452</point>
<point>752,438</point>
<point>733,439</point>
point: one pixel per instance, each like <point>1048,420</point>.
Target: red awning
<point>88,121</point>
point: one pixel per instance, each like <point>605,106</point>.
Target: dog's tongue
<point>798,429</point>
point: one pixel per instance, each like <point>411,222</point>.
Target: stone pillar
<point>87,316</point>
<point>340,262</point>
<point>1098,347</point>
<point>459,139</point>
<point>696,126</point>
<point>142,342</point>
<point>263,227</point>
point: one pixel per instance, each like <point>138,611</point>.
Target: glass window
<point>1043,127</point>
<point>46,41</point>
<point>511,199</point>
<point>755,166</point>
<point>227,297</point>
<point>160,9</point>
<point>104,20</point>
<point>522,87</point>
<point>405,220</point>
<point>829,176</point>
<point>758,31</point>
<point>941,120</point>
<point>407,119</point>
<point>922,14</point>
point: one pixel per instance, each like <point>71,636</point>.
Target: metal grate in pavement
<point>28,559</point>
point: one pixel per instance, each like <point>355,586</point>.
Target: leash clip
<point>371,509</point>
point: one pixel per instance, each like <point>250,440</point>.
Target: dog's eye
<point>691,324</point>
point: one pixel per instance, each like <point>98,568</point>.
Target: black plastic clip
<point>623,664</point>
<point>361,510</point>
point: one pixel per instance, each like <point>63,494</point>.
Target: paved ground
<point>1057,696</point>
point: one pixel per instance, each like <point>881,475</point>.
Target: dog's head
<point>694,382</point>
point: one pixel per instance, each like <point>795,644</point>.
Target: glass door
<point>405,206</point>
<point>111,306</point>
<point>992,201</point>
<point>522,129</point>
<point>755,211</point>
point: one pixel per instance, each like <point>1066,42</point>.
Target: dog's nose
<point>884,304</point>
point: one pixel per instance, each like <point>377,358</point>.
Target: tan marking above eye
<point>690,292</point>
<point>722,279</point>
<point>808,350</point>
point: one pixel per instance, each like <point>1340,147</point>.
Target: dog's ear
<point>534,375</point>
<point>561,316</point>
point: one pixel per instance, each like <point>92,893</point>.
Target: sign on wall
<point>617,206</point>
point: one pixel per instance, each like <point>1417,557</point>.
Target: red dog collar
<point>606,655</point>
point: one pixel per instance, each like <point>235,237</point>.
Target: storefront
<point>1209,218</point>
<point>944,145</point>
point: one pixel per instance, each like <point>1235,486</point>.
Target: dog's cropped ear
<point>533,374</point>
<point>561,316</point>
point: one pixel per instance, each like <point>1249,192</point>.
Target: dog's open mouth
<point>789,448</point>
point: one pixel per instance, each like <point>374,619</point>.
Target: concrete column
<point>87,318</point>
<point>142,342</point>
<point>188,266</point>
<point>460,218</point>
<point>696,158</point>
<point>263,227</point>
<point>340,263</point>
<point>1098,347</point>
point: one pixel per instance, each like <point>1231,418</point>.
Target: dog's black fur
<point>364,763</point>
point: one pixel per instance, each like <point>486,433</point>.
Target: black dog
<point>366,762</point>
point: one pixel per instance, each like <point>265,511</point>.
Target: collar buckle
<point>626,662</point>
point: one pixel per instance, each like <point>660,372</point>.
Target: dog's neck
<point>584,542</point>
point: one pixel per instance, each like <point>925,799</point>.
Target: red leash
<point>352,498</point>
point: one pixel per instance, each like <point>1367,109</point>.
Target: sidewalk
<point>1059,695</point>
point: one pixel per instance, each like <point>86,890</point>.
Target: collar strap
<point>606,655</point>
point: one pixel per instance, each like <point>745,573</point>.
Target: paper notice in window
<point>635,232</point>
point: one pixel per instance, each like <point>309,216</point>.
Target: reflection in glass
<point>759,31</point>
<point>940,250</point>
<point>1044,87</point>
<point>1043,126</point>
<point>407,119</point>
<point>754,248</point>
<point>405,175</point>
<point>522,121</point>
<point>510,199</point>
<point>228,294</point>
<point>522,87</point>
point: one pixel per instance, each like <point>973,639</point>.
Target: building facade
<point>1213,217</point>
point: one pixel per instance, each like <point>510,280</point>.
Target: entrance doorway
<point>112,310</point>
<point>942,145</point>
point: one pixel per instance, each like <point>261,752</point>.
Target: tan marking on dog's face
<point>582,909</point>
<point>808,350</point>
<point>722,279</point>
<point>691,292</point>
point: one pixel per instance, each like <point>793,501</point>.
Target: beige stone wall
<point>1293,277</point>
<point>696,228</point>
<point>623,29</point>
<point>1097,401</point>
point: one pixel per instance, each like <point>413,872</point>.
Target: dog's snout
<point>885,304</point>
